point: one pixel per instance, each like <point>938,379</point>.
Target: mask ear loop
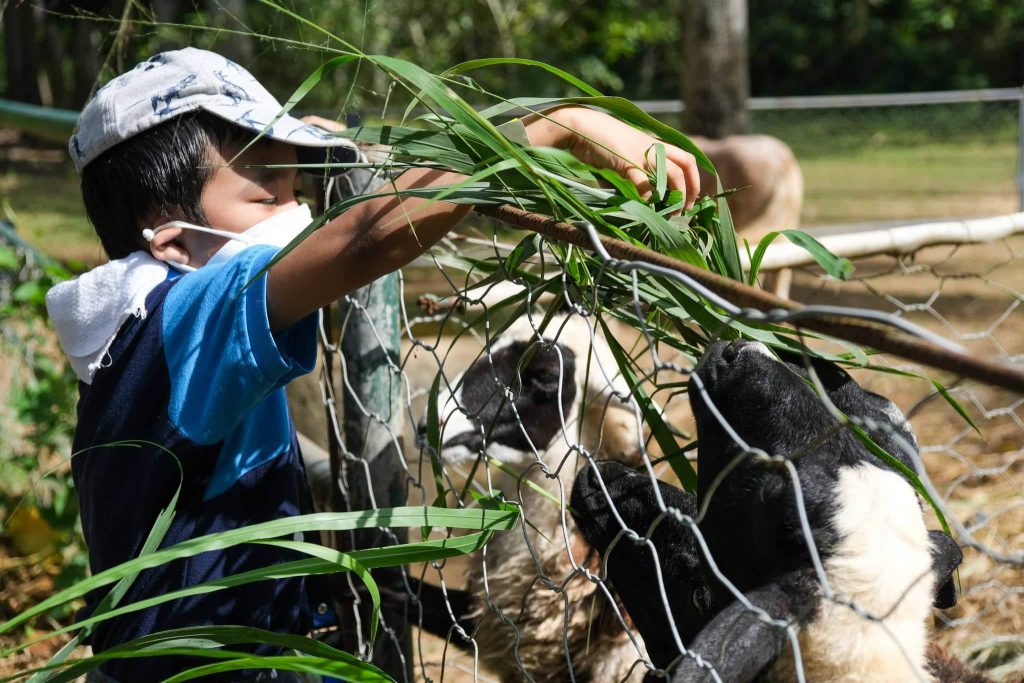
<point>149,233</point>
<point>328,190</point>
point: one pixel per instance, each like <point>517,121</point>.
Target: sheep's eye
<point>546,378</point>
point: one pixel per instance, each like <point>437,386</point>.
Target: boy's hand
<point>600,140</point>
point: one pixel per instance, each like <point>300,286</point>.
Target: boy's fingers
<point>677,181</point>
<point>640,179</point>
<point>688,164</point>
<point>326,124</point>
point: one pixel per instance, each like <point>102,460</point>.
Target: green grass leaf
<point>346,562</point>
<point>417,516</point>
<point>471,65</point>
<point>835,266</point>
<point>723,232</point>
<point>370,558</point>
<point>310,665</point>
<point>662,434</point>
<point>205,641</point>
<point>660,173</point>
<point>758,256</point>
<point>955,404</point>
<point>434,440</point>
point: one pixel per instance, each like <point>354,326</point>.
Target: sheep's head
<point>527,393</point>
<point>745,396</point>
<point>771,404</point>
<point>513,401</point>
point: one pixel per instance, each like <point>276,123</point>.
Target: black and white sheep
<point>865,521</point>
<point>531,404</point>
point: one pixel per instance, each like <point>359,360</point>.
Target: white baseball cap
<point>180,81</point>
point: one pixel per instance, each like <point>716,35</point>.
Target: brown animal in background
<point>774,193</point>
<point>766,167</point>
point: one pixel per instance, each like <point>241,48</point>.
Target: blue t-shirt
<point>202,376</point>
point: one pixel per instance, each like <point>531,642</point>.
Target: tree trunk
<point>716,72</point>
<point>85,52</point>
<point>52,56</point>
<point>20,52</point>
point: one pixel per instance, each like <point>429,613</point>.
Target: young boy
<point>173,350</point>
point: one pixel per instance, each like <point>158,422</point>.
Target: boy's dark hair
<point>155,171</point>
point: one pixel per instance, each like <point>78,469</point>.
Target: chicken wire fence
<point>453,336</point>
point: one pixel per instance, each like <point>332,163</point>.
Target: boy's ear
<point>166,245</point>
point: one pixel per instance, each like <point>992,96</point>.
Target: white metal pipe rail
<point>902,239</point>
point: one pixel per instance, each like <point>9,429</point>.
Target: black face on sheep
<point>631,565</point>
<point>864,520</point>
<point>513,400</point>
<point>740,389</point>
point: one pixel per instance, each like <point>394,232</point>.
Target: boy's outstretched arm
<point>381,235</point>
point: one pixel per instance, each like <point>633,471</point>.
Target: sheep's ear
<point>738,643</point>
<point>946,557</point>
<point>550,367</point>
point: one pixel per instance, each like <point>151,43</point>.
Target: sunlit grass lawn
<point>847,185</point>
<point>923,181</point>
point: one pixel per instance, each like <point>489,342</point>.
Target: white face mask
<point>276,231</point>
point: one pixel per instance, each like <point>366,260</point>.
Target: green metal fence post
<point>371,320</point>
<point>368,467</point>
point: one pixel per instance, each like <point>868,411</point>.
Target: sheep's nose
<point>730,352</point>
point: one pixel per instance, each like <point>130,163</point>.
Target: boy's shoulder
<point>199,366</point>
<point>209,334</point>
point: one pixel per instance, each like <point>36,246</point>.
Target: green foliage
<point>848,46</point>
<point>38,507</point>
<point>43,389</point>
<point>492,516</point>
<point>621,46</point>
<point>203,641</point>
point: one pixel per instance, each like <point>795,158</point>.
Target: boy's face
<point>242,192</point>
